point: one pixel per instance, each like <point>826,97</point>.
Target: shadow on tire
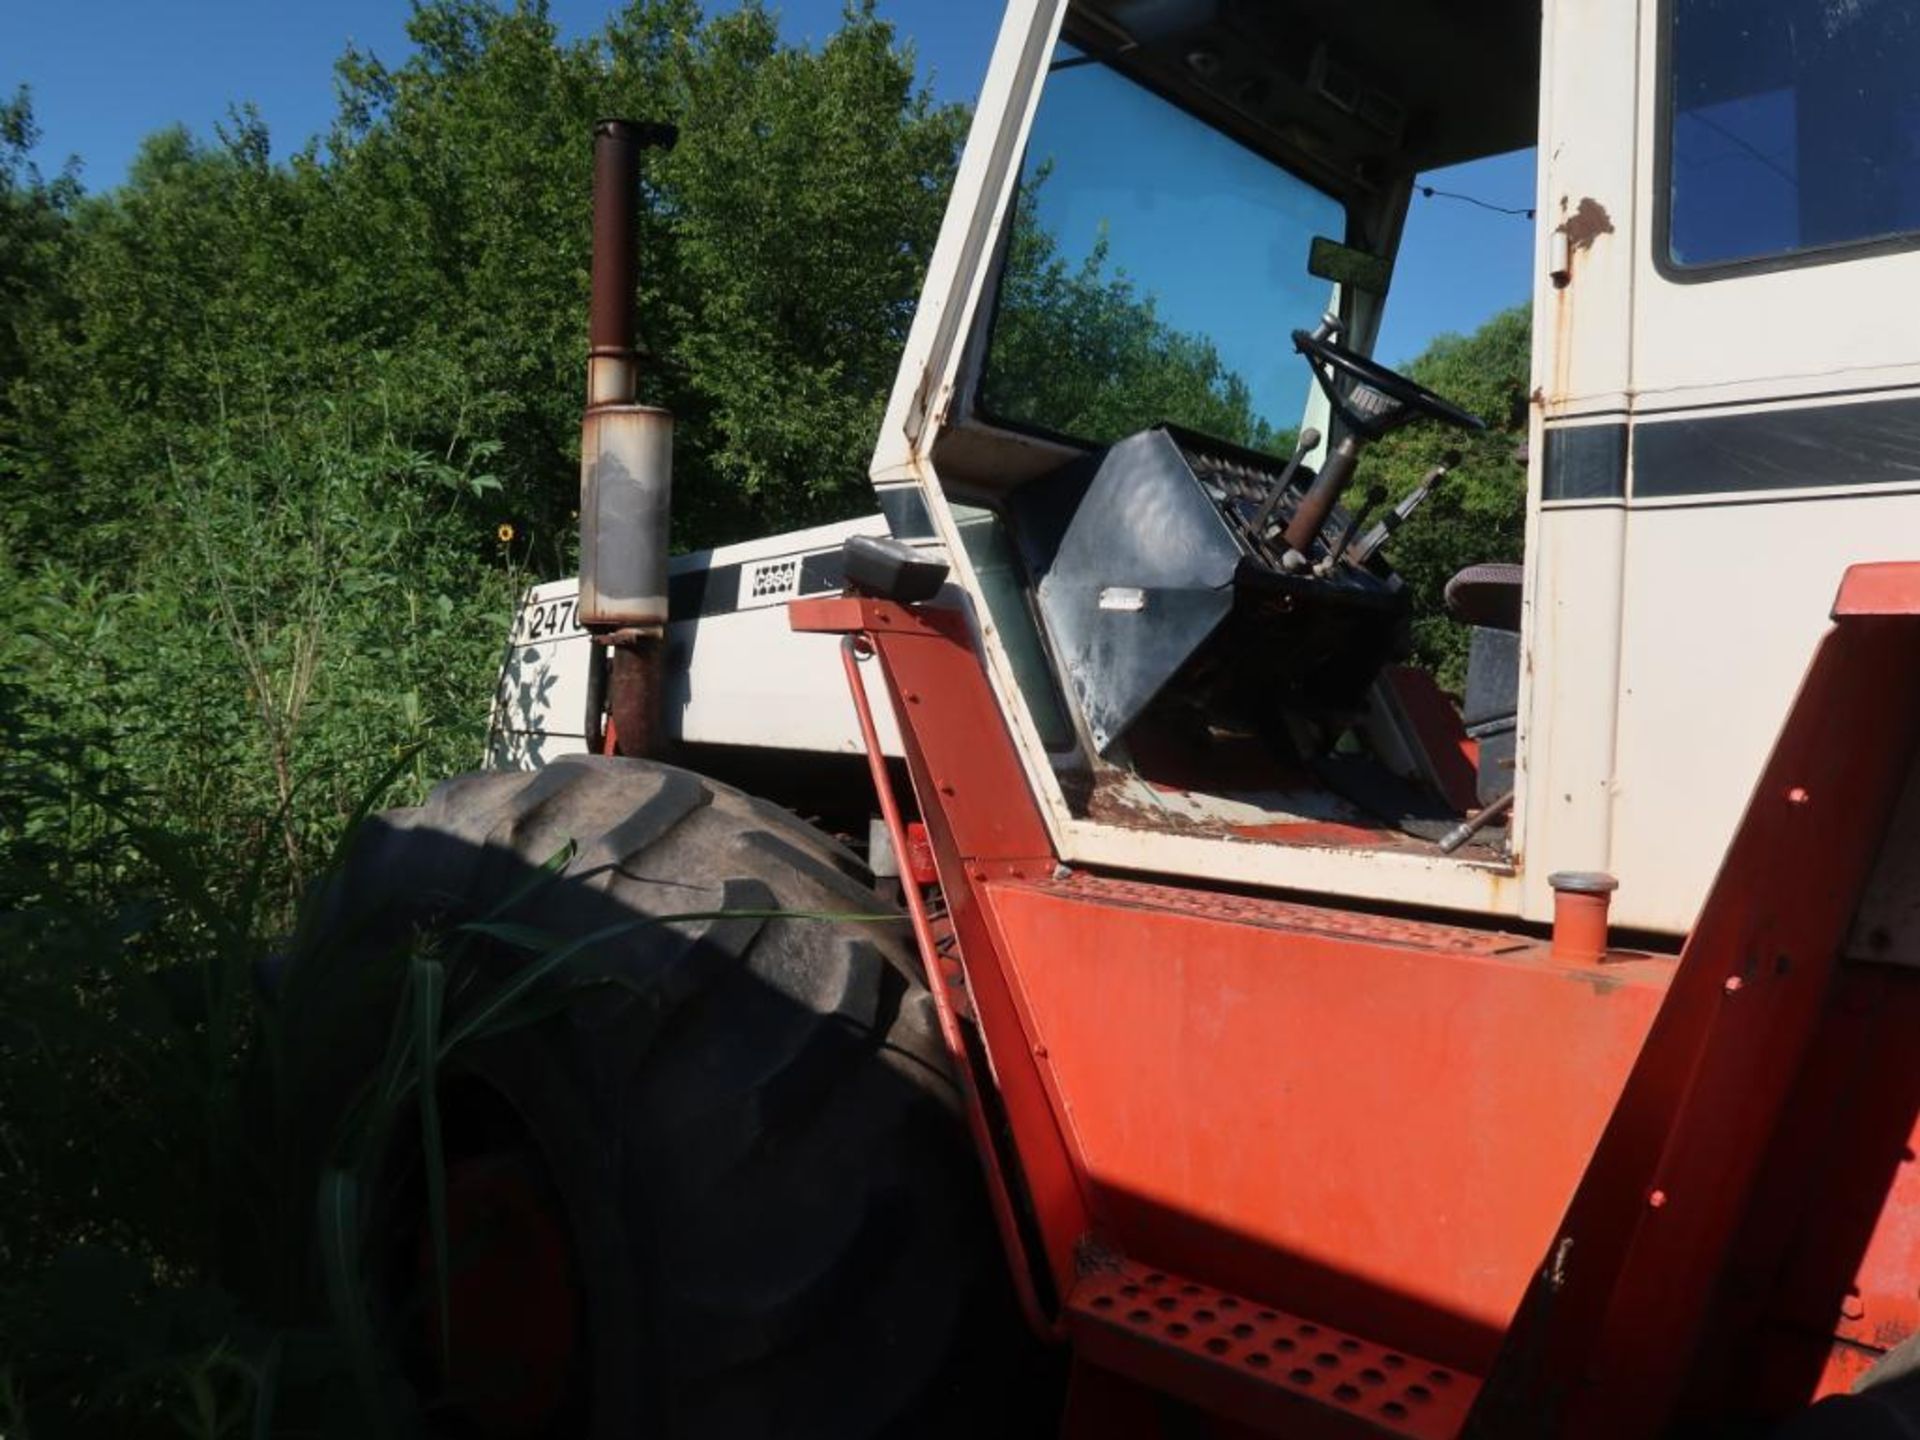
<point>704,1168</point>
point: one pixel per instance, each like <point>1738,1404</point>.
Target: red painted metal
<point>1450,755</point>
<point>1379,1131</point>
<point>918,861</point>
<point>1821,1277</point>
<point>1580,905</point>
<point>1375,1119</point>
<point>1886,589</point>
<point>998,1193</point>
<point>982,820</point>
<point>1856,1265</point>
<point>1449,1138</point>
<point>1102,1405</point>
<point>1268,1370</point>
<point>511,1291</point>
<point>1616,1317</point>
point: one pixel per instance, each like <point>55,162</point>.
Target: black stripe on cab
<point>823,571</point>
<point>701,594</point>
<point>696,594</point>
<point>1874,442</point>
<point>1585,462</point>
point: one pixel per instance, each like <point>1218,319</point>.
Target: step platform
<point>1256,1365</point>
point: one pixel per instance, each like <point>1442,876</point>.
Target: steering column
<point>1372,401</point>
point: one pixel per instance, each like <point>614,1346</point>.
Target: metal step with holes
<point>1260,1366</point>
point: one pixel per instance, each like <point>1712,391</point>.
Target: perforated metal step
<point>1259,1365</point>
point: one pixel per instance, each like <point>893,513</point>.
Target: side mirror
<point>891,569</point>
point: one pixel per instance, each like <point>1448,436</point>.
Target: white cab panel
<point>737,674</point>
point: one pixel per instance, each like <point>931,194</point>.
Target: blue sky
<point>1214,233</point>
<point>104,73</point>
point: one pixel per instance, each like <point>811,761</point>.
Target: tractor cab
<point>1155,455</point>
<point>1140,410</point>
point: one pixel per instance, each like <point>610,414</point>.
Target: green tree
<point>265,425</point>
<point>35,233</point>
<point>297,401</point>
<point>1479,512</point>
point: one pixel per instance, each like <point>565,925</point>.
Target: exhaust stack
<point>626,468</point>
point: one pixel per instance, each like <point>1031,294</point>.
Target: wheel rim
<point>511,1364</point>
<point>508,1360</point>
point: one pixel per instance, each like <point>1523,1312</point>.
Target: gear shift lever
<point>1309,442</point>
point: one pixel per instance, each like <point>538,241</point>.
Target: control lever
<point>1371,542</point>
<point>1475,823</point>
<point>1376,497</point>
<point>1309,442</point>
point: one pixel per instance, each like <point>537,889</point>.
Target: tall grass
<point>185,746</point>
<point>153,1240</point>
<point>188,1254</point>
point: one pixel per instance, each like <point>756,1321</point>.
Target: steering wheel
<point>1372,399</point>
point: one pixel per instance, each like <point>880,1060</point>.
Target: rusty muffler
<point>626,469</point>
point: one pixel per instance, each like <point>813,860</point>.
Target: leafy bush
<point>1479,512</point>
<point>279,443</point>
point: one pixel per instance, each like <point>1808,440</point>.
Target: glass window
<point>1003,584</point>
<point>1795,125</point>
<point>1465,255</point>
<point>1155,272</point>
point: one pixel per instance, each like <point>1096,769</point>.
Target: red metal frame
<point>926,654</point>
<point>1555,1173</point>
<point>939,983</point>
<point>1613,1327</point>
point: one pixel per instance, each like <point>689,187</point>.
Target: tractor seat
<point>1487,596</point>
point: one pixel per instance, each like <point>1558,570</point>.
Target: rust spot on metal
<point>1111,799</point>
<point>1588,222</point>
<point>1601,983</point>
<point>1891,1334</point>
<point>1110,803</point>
<point>616,183</point>
<point>1313,832</point>
<point>1561,321</point>
<point>634,684</point>
<point>1580,225</point>
<point>1265,913</point>
<point>1092,1256</point>
<point>617,145</point>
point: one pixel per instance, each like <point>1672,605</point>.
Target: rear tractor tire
<point>726,1194</point>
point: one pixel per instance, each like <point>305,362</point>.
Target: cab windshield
<point>1155,271</point>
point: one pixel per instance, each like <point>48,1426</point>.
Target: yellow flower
<point>505,533</point>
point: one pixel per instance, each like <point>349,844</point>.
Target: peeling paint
<point>1588,222</point>
<point>1581,224</point>
<point>1601,983</point>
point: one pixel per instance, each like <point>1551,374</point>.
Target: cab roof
<point>1357,92</point>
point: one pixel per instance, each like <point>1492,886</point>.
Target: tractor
<point>1265,1041</point>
